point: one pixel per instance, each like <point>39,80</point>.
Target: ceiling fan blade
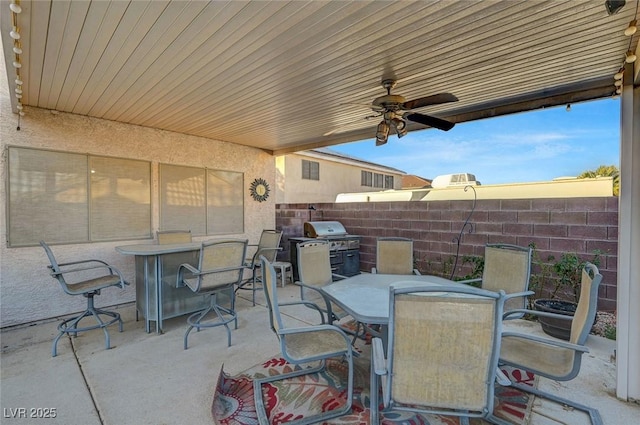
<point>430,121</point>
<point>429,100</point>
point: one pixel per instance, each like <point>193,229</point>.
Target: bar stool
<point>283,268</point>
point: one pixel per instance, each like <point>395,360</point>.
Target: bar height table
<point>157,296</point>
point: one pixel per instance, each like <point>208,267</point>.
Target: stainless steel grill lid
<point>323,229</point>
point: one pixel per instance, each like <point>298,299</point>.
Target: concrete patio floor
<point>150,379</point>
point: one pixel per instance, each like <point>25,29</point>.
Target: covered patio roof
<point>285,76</point>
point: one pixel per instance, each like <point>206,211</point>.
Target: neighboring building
<point>411,181</point>
<point>558,188</point>
<point>319,175</point>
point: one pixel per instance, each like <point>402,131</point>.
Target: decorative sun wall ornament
<point>259,190</point>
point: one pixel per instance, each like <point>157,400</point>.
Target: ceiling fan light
<point>382,133</point>
<point>630,57</point>
<point>400,126</point>
<point>631,29</point>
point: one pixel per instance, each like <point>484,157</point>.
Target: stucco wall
<point>335,178</point>
<point>27,292</point>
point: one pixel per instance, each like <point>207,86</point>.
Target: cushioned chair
<point>93,276</point>
<point>173,236</point>
<point>268,246</point>
<point>554,358</point>
<point>301,345</point>
<point>314,272</point>
<point>441,354</point>
<point>508,268</point>
<point>220,267</point>
<point>394,256</point>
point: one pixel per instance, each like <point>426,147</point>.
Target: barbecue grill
<point>344,248</point>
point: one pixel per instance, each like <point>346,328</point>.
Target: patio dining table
<point>366,296</point>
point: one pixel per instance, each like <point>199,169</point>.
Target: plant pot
<point>558,328</point>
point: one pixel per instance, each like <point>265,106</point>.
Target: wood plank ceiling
<point>291,75</point>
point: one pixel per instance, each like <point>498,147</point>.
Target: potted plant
<point>561,278</point>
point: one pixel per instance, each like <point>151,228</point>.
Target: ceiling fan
<point>396,110</point>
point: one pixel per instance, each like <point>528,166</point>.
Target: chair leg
<point>195,320</point>
<point>70,326</point>
<point>319,418</point>
<point>594,414</point>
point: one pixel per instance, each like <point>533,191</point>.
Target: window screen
<point>388,182</point>
<point>62,197</point>
<point>366,178</point>
<point>378,180</point>
<point>310,170</point>
<point>207,202</point>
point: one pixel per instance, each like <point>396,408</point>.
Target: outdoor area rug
<point>233,402</point>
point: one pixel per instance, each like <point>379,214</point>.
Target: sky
<point>526,147</point>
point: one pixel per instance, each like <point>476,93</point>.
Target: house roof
<point>411,181</point>
<point>335,156</point>
<point>290,76</point>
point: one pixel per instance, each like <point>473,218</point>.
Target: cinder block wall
<point>580,225</point>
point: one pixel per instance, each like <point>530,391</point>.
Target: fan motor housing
<point>389,101</point>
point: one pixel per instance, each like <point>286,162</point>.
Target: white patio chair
<point>394,255</point>
<point>506,267</point>
<point>92,277</point>
<point>551,357</point>
<point>441,354</point>
<point>300,345</point>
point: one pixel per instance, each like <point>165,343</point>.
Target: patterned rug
<point>233,402</point>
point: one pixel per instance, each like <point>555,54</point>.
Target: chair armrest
<point>520,311</point>
<point>470,281</point>
<point>519,294</point>
<point>317,328</point>
<point>180,275</point>
<point>307,304</point>
<point>101,265</point>
<point>548,341</point>
<point>253,261</point>
<point>328,308</point>
<point>379,364</point>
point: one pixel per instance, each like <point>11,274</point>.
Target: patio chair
<point>314,272</point>
<point>508,268</point>
<point>97,275</point>
<point>554,358</point>
<point>220,267</point>
<point>269,245</point>
<point>441,354</point>
<point>394,256</point>
<point>173,236</point>
<point>301,345</point>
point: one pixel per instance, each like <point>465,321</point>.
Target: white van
<point>460,179</point>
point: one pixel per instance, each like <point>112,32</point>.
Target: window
<point>62,197</point>
<point>207,202</point>
<point>310,170</point>
<point>388,182</point>
<point>366,178</point>
<point>378,180</point>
